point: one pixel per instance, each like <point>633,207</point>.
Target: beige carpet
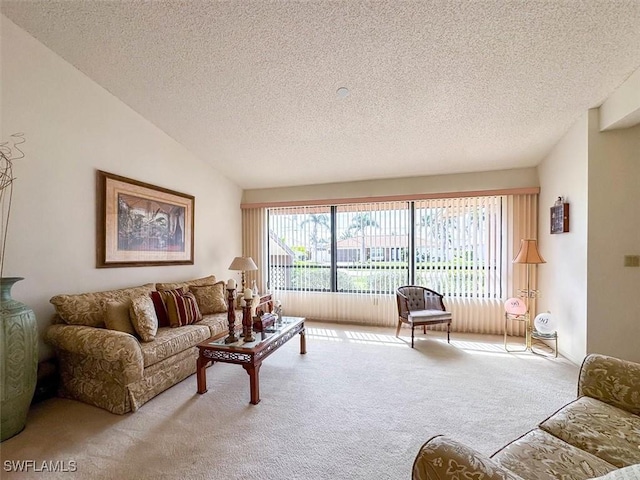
<point>358,405</point>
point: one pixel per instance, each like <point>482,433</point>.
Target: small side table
<point>539,337</point>
<point>527,330</point>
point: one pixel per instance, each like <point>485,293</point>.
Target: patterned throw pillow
<point>117,317</point>
<point>183,309</point>
<point>211,298</point>
<point>160,304</point>
<point>143,317</point>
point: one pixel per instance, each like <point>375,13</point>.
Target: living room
<point>75,125</point>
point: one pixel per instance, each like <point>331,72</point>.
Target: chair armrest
<point>403,305</point>
<point>442,458</point>
<point>611,380</point>
<point>101,344</point>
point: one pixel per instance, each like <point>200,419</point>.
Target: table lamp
<point>243,264</point>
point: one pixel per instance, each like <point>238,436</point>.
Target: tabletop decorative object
<point>231,311</point>
<point>247,321</point>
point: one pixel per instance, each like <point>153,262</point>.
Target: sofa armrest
<point>442,458</point>
<point>118,348</point>
<point>611,380</point>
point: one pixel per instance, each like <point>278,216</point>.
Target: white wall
<point>613,321</point>
<point>563,279</point>
<point>73,127</point>
<point>584,284</point>
<point>462,182</point>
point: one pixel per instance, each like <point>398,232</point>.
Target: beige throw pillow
<point>143,317</point>
<point>210,298</point>
<point>117,317</point>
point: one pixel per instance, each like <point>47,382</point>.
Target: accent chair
<point>420,306</point>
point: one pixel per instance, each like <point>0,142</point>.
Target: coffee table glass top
<point>278,328</point>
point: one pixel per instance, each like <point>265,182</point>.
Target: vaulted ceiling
<point>433,87</point>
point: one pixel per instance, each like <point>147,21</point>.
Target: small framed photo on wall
<point>560,217</point>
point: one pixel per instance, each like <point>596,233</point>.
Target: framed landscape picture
<point>141,224</point>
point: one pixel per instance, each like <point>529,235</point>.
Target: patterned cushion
<point>539,455</point>
<point>628,473</point>
<point>210,280</point>
<point>89,308</point>
<point>183,309</point>
<point>210,298</point>
<point>170,341</point>
<point>159,299</point>
<point>609,433</point>
<point>117,317</point>
<point>218,323</point>
<point>143,317</point>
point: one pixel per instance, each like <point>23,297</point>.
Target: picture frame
<point>140,225</point>
<point>559,217</point>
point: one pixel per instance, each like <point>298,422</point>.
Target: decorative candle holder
<point>231,316</point>
<point>247,323</point>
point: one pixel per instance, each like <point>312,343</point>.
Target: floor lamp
<point>528,255</point>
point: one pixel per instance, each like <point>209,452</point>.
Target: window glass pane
<point>299,248</point>
<point>458,244</point>
<point>372,247</point>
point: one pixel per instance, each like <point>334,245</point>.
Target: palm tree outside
<point>357,227</point>
<point>317,222</point>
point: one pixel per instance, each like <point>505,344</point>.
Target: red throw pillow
<point>160,305</point>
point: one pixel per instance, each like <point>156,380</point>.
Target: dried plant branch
<point>8,153</point>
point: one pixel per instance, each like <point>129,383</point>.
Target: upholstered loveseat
<point>596,435</point>
<point>105,362</point>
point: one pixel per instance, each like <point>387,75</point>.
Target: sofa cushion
<point>631,472</point>
<point>143,317</point>
<point>608,432</point>
<point>210,298</point>
<point>89,308</point>
<point>218,322</point>
<point>538,455</point>
<point>210,280</point>
<point>170,341</point>
<point>117,317</point>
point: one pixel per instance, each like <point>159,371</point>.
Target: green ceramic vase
<point>18,360</point>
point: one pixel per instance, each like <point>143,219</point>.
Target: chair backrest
<point>415,297</point>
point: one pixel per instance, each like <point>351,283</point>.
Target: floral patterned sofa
<point>595,436</point>
<point>120,369</point>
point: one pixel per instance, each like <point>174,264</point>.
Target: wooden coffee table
<point>250,355</point>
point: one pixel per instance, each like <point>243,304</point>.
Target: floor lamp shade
<point>529,253</point>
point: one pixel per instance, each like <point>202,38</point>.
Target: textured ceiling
<point>435,87</point>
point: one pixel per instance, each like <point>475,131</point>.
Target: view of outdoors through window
<point>456,245</point>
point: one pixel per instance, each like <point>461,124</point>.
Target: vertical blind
<point>344,262</point>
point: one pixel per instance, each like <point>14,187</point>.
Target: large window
<point>365,248</point>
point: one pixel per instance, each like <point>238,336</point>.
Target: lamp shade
<point>243,264</point>
<point>529,253</point>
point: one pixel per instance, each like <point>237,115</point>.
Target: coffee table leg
<point>201,374</point>
<point>254,382</point>
<point>303,342</point>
